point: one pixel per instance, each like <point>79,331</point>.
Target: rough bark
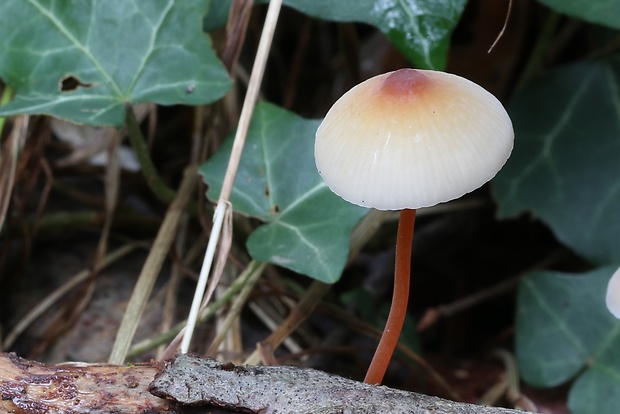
<point>32,387</point>
<point>282,389</point>
<point>191,384</point>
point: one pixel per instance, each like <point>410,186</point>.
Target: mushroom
<point>404,140</point>
<point>612,297</point>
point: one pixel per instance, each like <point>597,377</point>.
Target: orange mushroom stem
<point>400,298</point>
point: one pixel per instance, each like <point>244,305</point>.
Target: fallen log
<point>32,387</point>
<point>191,384</point>
<point>283,389</point>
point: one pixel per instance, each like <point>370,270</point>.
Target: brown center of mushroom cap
<point>405,83</point>
<point>409,93</point>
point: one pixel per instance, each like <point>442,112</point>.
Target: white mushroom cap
<point>412,138</point>
<point>612,298</point>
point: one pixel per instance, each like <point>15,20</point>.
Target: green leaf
<point>596,391</point>
<point>217,15</point>
<point>420,29</point>
<point>109,53</point>
<point>563,329</point>
<point>565,168</point>
<point>308,227</point>
<point>600,12</point>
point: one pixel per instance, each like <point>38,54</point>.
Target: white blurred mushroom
<point>90,143</point>
<point>612,298</point>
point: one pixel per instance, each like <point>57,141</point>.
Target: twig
<point>501,32</point>
<point>300,313</point>
<point>236,28</point>
<point>9,159</point>
<point>432,315</point>
<point>68,220</point>
<point>112,186</point>
<point>272,324</point>
<point>176,276</point>
<point>511,387</point>
<point>256,269</point>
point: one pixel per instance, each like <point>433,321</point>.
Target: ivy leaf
<point>420,29</point>
<point>85,60</point>
<point>600,12</point>
<point>307,226</point>
<point>217,15</point>
<point>566,162</point>
<point>564,329</point>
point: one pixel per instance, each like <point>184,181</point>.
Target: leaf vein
<point>60,26</point>
<point>151,47</point>
<point>559,322</point>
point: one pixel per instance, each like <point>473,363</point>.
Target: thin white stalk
<point>244,123</point>
<point>218,219</point>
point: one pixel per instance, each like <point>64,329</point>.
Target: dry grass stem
<point>9,158</point>
<point>237,305</point>
<point>235,156</point>
<point>152,266</point>
<point>204,315</point>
